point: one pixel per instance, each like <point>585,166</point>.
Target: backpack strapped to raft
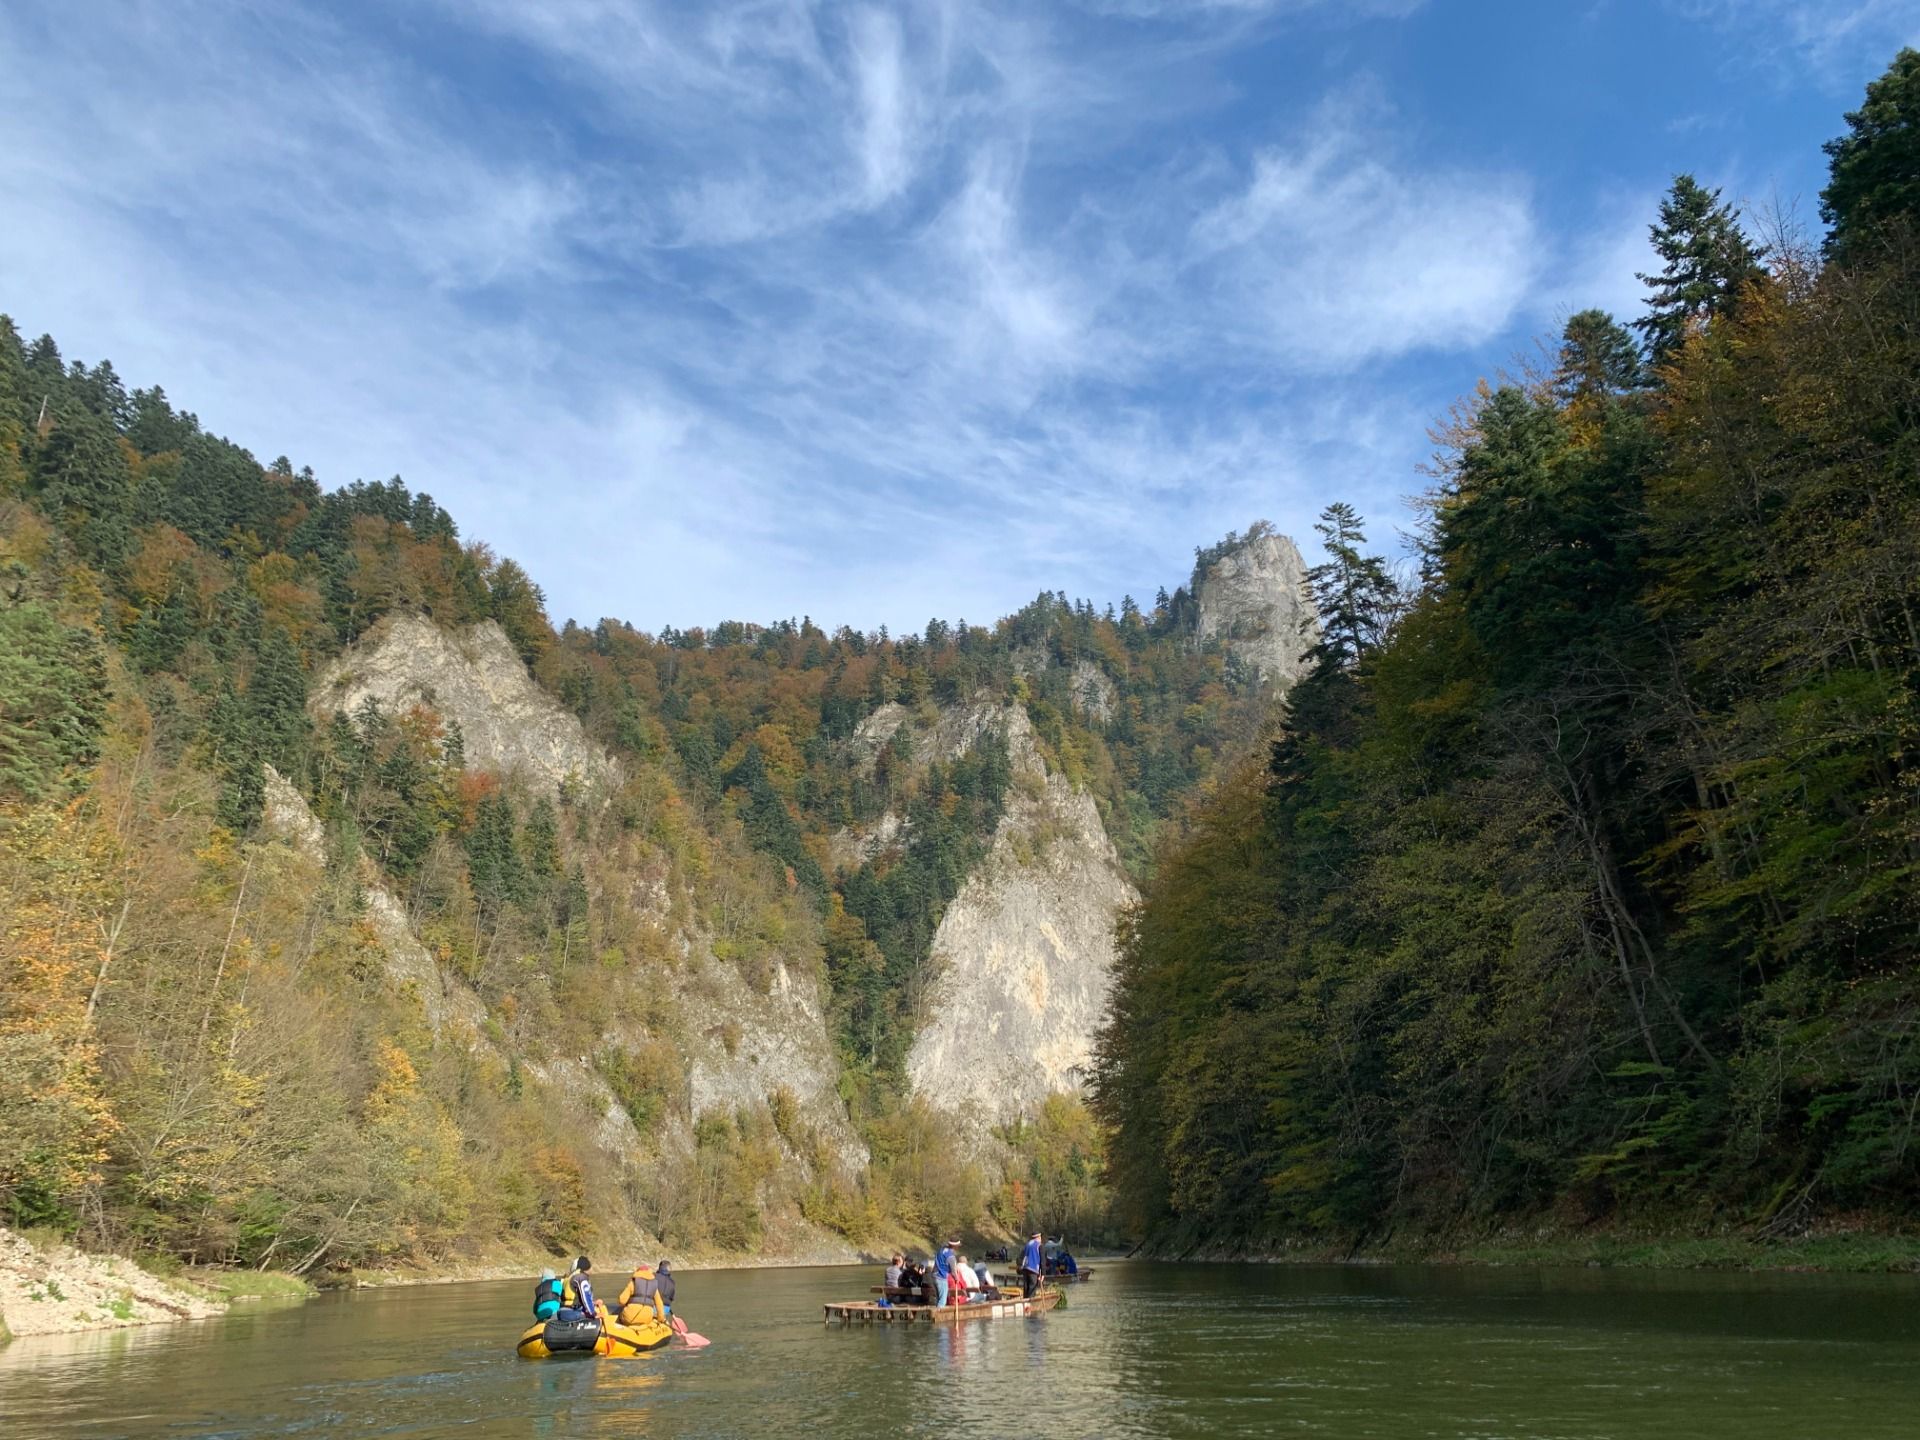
<point>563,1337</point>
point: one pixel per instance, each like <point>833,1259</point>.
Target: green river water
<point>1143,1350</point>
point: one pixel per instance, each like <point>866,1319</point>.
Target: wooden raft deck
<point>866,1312</point>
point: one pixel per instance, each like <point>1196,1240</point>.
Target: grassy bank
<point>232,1285</point>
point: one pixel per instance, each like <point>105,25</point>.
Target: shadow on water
<point>1145,1350</point>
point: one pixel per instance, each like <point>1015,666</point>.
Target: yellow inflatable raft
<point>559,1337</point>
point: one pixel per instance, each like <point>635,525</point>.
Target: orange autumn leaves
<point>52,948</point>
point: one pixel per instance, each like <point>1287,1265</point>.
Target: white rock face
<point>1254,598</point>
<point>1092,692</point>
<point>411,969</point>
<point>747,1046</point>
<point>1025,952</point>
<point>474,679</point>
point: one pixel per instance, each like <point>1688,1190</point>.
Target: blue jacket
<point>1030,1257</point>
<point>943,1262</point>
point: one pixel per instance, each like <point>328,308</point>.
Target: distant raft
<point>548,1338</point>
<point>871,1312</point>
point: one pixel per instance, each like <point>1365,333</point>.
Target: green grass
<point>233,1285</point>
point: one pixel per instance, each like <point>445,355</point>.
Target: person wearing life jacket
<point>640,1299</point>
<point>547,1295</point>
<point>576,1294</point>
<point>664,1273</point>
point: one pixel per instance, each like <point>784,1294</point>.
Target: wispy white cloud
<point>1349,256</point>
<point>760,306</point>
<point>1835,37</point>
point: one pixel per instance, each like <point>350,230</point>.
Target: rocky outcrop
<point>748,1047</point>
<point>1253,597</point>
<point>1024,954</point>
<point>447,1003</point>
<point>475,680</point>
<point>1093,692</point>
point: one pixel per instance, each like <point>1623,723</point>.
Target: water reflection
<point>1143,1351</point>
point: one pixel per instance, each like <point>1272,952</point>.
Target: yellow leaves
<point>54,1119</point>
<point>395,1078</point>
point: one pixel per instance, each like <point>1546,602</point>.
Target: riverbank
<point>50,1288</point>
<point>1838,1251</point>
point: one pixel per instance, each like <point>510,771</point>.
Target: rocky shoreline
<point>51,1288</point>
<point>54,1289</point>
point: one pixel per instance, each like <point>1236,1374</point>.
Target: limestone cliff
<point>476,680</point>
<point>447,1003</point>
<point>1252,596</point>
<point>739,1047</point>
<point>1024,953</point>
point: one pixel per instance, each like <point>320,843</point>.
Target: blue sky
<point>870,312</point>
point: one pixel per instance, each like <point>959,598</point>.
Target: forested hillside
<point>223,1046</point>
<point>1582,885</point>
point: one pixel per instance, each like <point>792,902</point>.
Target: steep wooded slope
<point>355,912</point>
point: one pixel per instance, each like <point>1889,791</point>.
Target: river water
<point>1143,1350</point>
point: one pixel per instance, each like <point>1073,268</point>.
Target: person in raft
<point>969,1277</point>
<point>665,1272</point>
<point>578,1303</point>
<point>987,1287</point>
<point>1030,1263</point>
<point>546,1295</point>
<point>640,1300</point>
<point>943,1272</point>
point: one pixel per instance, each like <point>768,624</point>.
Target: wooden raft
<point>866,1312</point>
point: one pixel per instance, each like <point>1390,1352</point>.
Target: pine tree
<point>540,841</point>
<point>493,859</point>
<point>1598,358</point>
<point>53,695</point>
<point>1874,169</point>
<point>1707,260</point>
<point>277,697</point>
<point>1356,597</point>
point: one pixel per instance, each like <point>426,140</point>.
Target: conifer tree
<point>493,859</point>
<point>52,701</point>
<point>1874,174</point>
<point>277,698</point>
<point>1354,594</point>
<point>1706,260</point>
<point>1598,358</point>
